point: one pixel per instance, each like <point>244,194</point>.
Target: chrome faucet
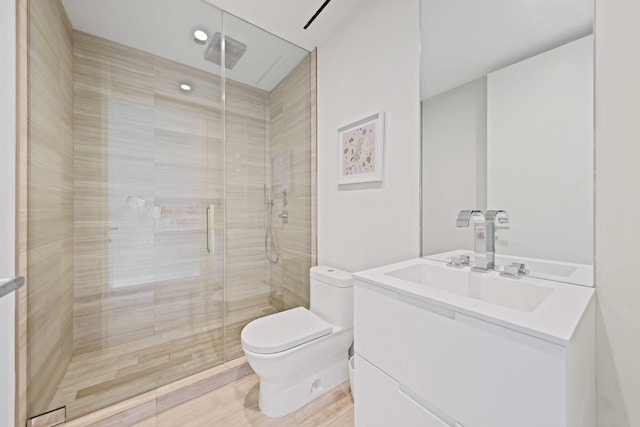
<point>494,220</point>
<point>484,234</point>
<point>479,247</point>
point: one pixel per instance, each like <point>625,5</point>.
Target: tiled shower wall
<point>247,123</point>
<point>290,154</point>
<point>129,110</point>
<point>50,217</point>
<point>261,127</point>
<point>106,71</point>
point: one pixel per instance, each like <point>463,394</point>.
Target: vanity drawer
<point>479,373</point>
<point>381,402</point>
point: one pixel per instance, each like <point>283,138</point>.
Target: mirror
<point>507,123</point>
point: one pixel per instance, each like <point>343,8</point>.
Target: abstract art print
<point>360,150</point>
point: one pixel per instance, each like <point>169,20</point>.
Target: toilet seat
<point>282,331</point>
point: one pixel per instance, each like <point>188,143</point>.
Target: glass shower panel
<point>130,158</point>
<point>126,236</point>
<point>150,198</point>
<point>268,176</point>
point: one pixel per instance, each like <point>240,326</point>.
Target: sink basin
<point>487,287</point>
<point>541,308</point>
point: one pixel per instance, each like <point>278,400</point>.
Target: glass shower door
<point>268,163</point>
<point>126,252</point>
<point>150,162</point>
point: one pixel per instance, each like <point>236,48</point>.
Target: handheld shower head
<point>269,235</point>
<point>267,198</point>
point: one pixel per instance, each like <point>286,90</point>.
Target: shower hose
<point>270,235</point>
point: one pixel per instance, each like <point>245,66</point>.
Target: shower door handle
<point>210,239</point>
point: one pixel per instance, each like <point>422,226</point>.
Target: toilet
<point>300,354</point>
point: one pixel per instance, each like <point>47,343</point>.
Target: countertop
<point>554,320</point>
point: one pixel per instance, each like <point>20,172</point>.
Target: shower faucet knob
<point>285,216</point>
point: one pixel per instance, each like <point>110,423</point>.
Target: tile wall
<point>290,162</point>
<point>50,216</point>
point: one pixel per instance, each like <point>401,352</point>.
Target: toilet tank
<point>332,295</point>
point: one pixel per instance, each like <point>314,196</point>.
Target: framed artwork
<point>360,150</point>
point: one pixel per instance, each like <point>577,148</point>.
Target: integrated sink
<point>487,287</point>
<point>541,308</point>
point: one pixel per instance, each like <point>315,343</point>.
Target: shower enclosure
<point>153,154</point>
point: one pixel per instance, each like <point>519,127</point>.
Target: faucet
<point>484,234</point>
<point>494,220</point>
<point>465,217</point>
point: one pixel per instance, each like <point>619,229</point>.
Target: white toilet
<point>299,354</point>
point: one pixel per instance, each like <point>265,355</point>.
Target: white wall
<point>540,153</point>
<point>454,158</point>
<point>7,207</point>
<point>371,64</point>
<point>617,212</point>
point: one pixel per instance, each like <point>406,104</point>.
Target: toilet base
<point>278,399</point>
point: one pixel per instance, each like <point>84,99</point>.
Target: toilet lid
<point>282,331</point>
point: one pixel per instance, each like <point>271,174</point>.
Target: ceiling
<point>165,28</point>
<point>463,40</point>
<point>286,18</point>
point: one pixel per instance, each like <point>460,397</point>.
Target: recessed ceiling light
<point>185,87</point>
<point>200,37</point>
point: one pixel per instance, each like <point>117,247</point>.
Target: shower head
<point>233,51</point>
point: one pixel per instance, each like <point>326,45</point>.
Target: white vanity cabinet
<point>421,363</point>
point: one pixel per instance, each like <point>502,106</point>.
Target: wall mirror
<point>507,123</point>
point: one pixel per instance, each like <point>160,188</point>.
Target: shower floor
<point>100,378</point>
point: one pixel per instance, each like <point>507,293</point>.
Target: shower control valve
<point>285,217</point>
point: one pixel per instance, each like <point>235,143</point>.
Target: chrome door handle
<point>209,221</point>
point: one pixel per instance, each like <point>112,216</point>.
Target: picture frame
<point>361,150</point>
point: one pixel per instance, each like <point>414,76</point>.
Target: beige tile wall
<point>105,71</point>
<point>161,146</point>
<point>247,294</point>
<point>290,140</point>
<point>50,200</point>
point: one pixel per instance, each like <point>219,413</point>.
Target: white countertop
<point>554,320</point>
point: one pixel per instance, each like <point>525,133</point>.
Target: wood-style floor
<point>227,404</point>
<point>236,405</point>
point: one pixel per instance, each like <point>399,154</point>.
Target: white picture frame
<point>361,150</point>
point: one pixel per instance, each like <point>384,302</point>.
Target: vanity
<point>442,346</point>
<point>494,327</point>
